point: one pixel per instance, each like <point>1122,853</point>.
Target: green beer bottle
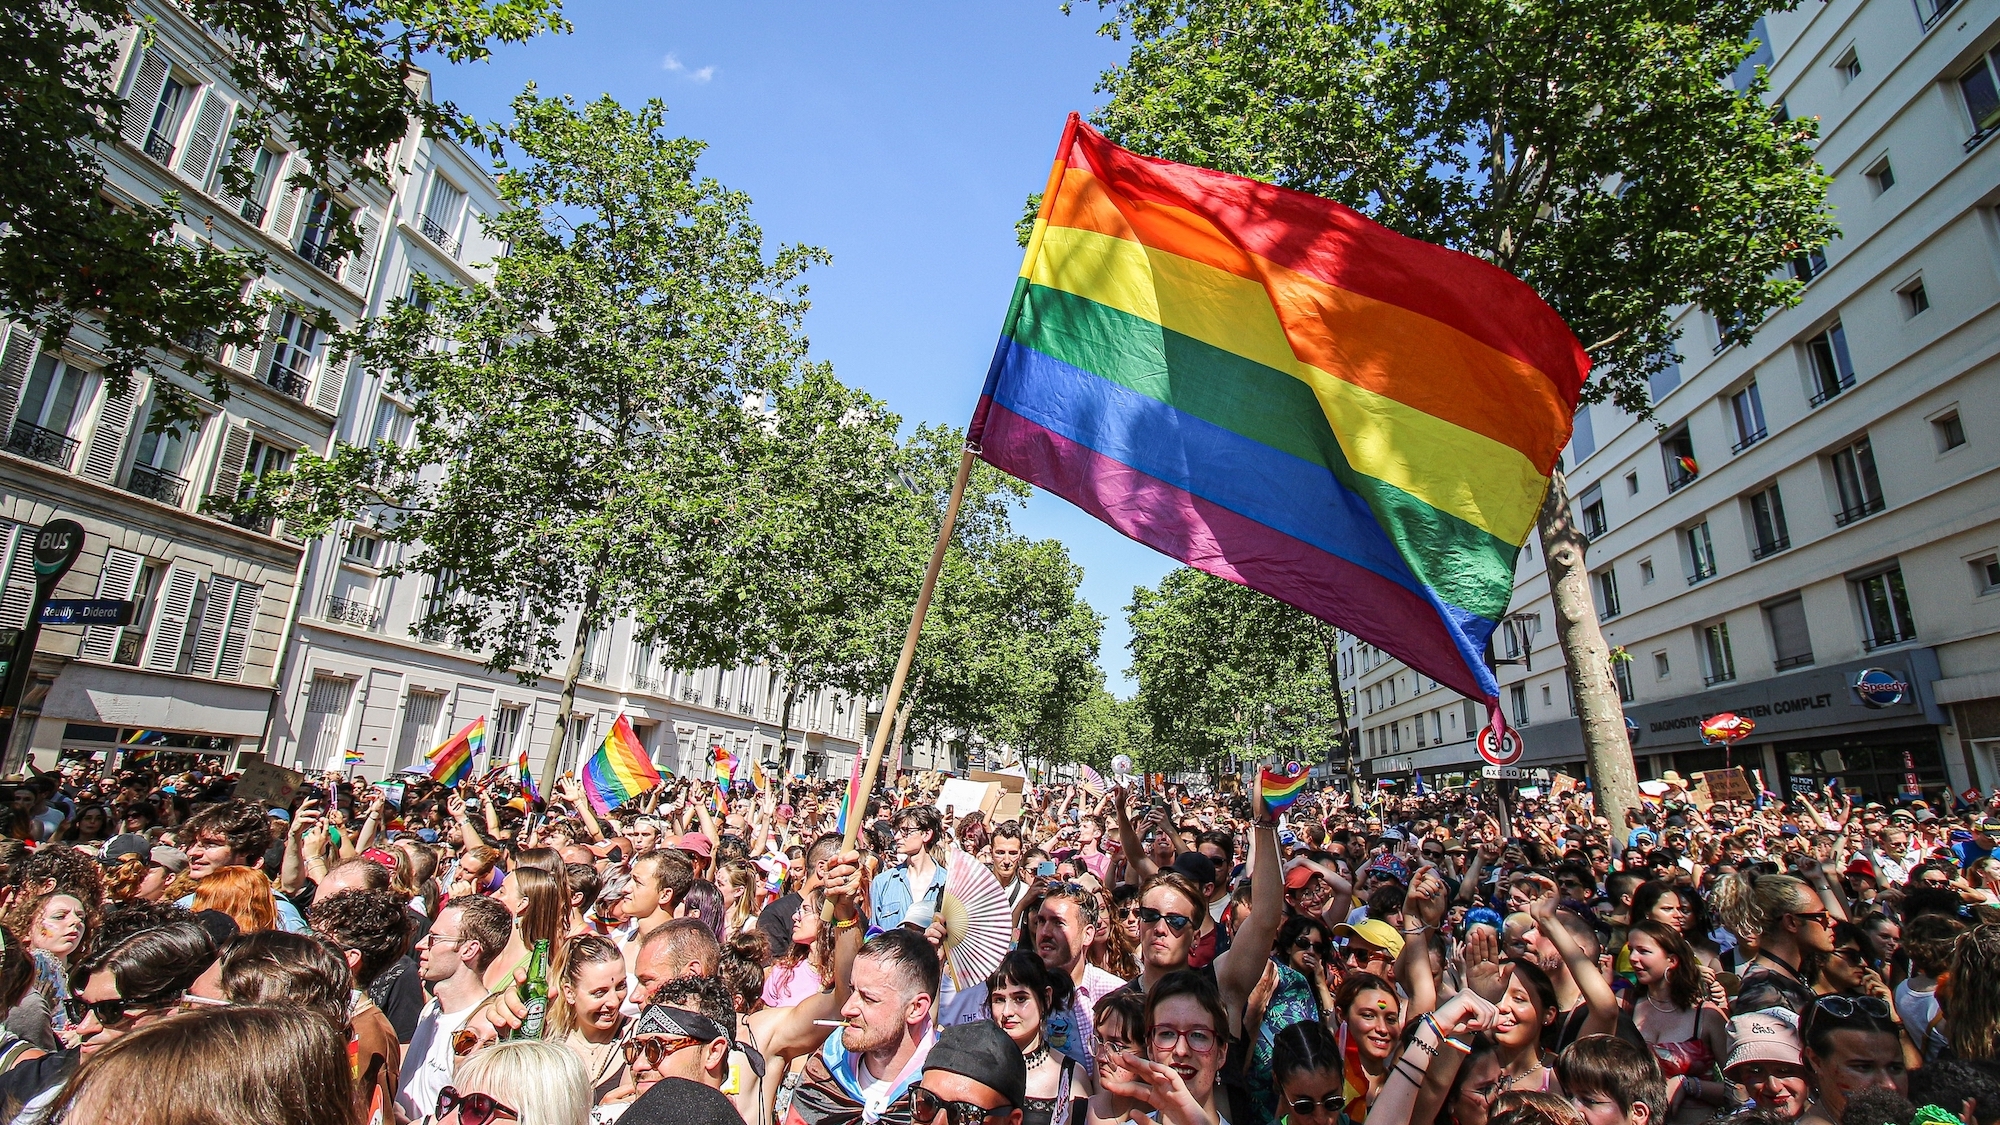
<point>535,993</point>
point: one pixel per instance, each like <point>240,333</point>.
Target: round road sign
<point>1507,753</point>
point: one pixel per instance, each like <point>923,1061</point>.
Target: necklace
<point>1657,1006</point>
<point>1038,1056</point>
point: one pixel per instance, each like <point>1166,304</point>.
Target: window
<point>1791,641</point>
<point>1518,697</point>
<point>392,423</point>
<point>362,547</point>
<point>1727,326</point>
<point>1547,699</point>
<point>1808,264</point>
<point>437,599</point>
<point>1716,653</point>
<point>1621,671</point>
<point>1915,300</point>
<point>1395,737</point>
<point>292,355</point>
<point>1663,381</point>
<point>1677,452</point>
<point>1881,177</point>
<point>1746,409</point>
<point>323,217</point>
<point>1885,609</point>
<point>1661,669</point>
<point>1437,727</point>
<point>263,170</point>
<point>1631,484</point>
<point>1831,370</point>
<point>1645,572</point>
<point>1582,440</point>
<point>1930,11</point>
<point>1595,525</point>
<point>1981,92</point>
<point>1949,431</point>
<point>166,125</point>
<point>1767,523</point>
<point>51,405</point>
<point>506,731</point>
<point>1701,553</point>
<point>1986,575</point>
<point>442,212</point>
<point>1607,593</point>
<point>1847,66</point>
<point>1855,477</point>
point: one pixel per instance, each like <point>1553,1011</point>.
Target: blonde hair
<point>584,949</point>
<point>1751,905</point>
<point>743,876</point>
<point>540,1079</point>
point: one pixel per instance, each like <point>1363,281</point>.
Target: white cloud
<point>673,64</point>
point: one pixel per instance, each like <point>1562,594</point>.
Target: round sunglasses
<point>474,1108</point>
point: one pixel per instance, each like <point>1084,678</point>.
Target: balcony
<point>435,231</point>
<point>1979,138</point>
<point>157,484</point>
<point>322,257</point>
<point>1830,391</point>
<point>690,695</point>
<point>644,682</point>
<point>1749,440</point>
<point>1701,574</point>
<point>44,445</point>
<point>592,672</point>
<point>131,642</point>
<point>1860,511</point>
<point>288,382</point>
<point>1887,638</point>
<point>252,212</point>
<point>1725,676</point>
<point>746,708</point>
<point>159,148</point>
<point>346,611</point>
<point>252,522</point>
<point>1797,660</point>
<point>1678,479</point>
<point>203,342</point>
<point>1762,550</point>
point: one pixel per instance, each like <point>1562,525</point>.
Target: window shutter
<point>208,631</point>
<point>236,631</point>
<point>118,580</point>
<point>163,647</point>
<point>1791,639</point>
<point>287,211</point>
<point>143,98</point>
<point>17,574</point>
<point>262,367</point>
<point>15,364</point>
<point>229,464</point>
<point>363,261</point>
<point>199,152</point>
<point>332,380</point>
<point>249,359</point>
<point>107,438</point>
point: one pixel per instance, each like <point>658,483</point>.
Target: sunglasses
<point>1324,947</point>
<point>925,1107</point>
<point>657,1047</point>
<point>1175,922</point>
<point>473,1109</point>
<point>1843,1007</point>
<point>1331,1105</point>
<point>109,1013</point>
<point>1852,957</point>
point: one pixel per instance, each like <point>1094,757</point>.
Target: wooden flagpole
<point>895,696</point>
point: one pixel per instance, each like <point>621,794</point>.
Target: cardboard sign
<point>1726,785</point>
<point>273,785</point>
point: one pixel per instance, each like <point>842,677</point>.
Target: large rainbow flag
<point>1272,388</point>
<point>451,761</point>
<point>619,771</point>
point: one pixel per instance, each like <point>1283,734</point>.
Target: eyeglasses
<point>1331,1105</point>
<point>1843,1007</point>
<point>436,938</point>
<point>906,830</point>
<point>1107,1047</point>
<point>1128,912</point>
<point>1852,957</point>
<point>1175,922</point>
<point>1307,943</point>
<point>1200,1040</point>
<point>925,1107</point>
<point>474,1108</point>
<point>657,1047</point>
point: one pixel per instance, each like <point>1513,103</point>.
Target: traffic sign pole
<point>57,545</point>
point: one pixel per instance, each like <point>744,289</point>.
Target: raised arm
<point>571,790</point>
<point>1139,868</point>
<point>1423,909</point>
<point>1603,1018</point>
<point>1242,964</point>
<point>794,1031</point>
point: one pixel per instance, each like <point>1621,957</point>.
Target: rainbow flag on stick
<point>619,771</point>
<point>1270,387</point>
<point>850,801</point>
<point>452,760</point>
<point>527,779</point>
<point>1279,790</point>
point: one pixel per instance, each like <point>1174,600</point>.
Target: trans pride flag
<point>619,771</point>
<point>1270,387</point>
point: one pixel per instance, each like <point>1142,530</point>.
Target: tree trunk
<point>896,741</point>
<point>570,676</point>
<point>785,731</point>
<point>1613,775</point>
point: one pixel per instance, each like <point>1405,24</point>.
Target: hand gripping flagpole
<point>895,696</point>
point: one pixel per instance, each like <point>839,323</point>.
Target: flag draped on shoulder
<point>1272,388</point>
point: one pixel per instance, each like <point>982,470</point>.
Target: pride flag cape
<point>1270,387</point>
<point>452,759</point>
<point>619,771</point>
<point>1278,789</point>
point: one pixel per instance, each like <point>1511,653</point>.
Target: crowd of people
<point>174,954</point>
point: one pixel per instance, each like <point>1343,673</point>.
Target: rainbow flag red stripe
<point>620,770</point>
<point>1268,386</point>
<point>451,761</point>
<point>1279,790</point>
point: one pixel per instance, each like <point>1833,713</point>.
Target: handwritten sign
<point>1726,785</point>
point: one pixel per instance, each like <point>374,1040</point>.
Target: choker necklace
<point>1038,1056</point>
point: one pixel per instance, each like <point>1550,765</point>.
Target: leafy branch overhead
<point>1600,152</point>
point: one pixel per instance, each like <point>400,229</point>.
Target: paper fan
<point>1092,781</point>
<point>978,923</point>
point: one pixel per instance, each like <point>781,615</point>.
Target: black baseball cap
<point>982,1052</point>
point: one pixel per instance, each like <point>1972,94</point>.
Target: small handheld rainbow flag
<point>452,760</point>
<point>852,797</point>
<point>352,756</point>
<point>527,779</point>
<point>725,762</point>
<point>1279,790</point>
<point>619,771</point>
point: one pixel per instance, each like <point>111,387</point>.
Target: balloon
<point>1121,764</point>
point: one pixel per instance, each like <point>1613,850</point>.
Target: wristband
<point>848,924</point>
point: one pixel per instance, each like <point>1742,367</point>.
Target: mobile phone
<point>1045,869</point>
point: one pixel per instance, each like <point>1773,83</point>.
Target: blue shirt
<point>893,896</point>
<point>1969,853</point>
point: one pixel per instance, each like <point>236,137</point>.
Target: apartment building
<point>195,670</point>
<point>1811,536</point>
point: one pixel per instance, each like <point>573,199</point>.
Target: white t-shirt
<point>427,1061</point>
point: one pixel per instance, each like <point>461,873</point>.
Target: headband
<point>660,1019</point>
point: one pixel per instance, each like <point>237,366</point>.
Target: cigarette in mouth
<point>829,1023</point>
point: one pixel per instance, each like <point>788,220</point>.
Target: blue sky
<point>903,139</point>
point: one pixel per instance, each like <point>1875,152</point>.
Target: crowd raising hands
<point>175,953</point>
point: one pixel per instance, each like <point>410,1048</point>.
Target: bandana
<point>1389,865</point>
<point>659,1019</point>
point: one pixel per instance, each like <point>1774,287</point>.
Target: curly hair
<point>1751,905</point>
<point>243,824</point>
<point>67,870</point>
<point>372,923</point>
